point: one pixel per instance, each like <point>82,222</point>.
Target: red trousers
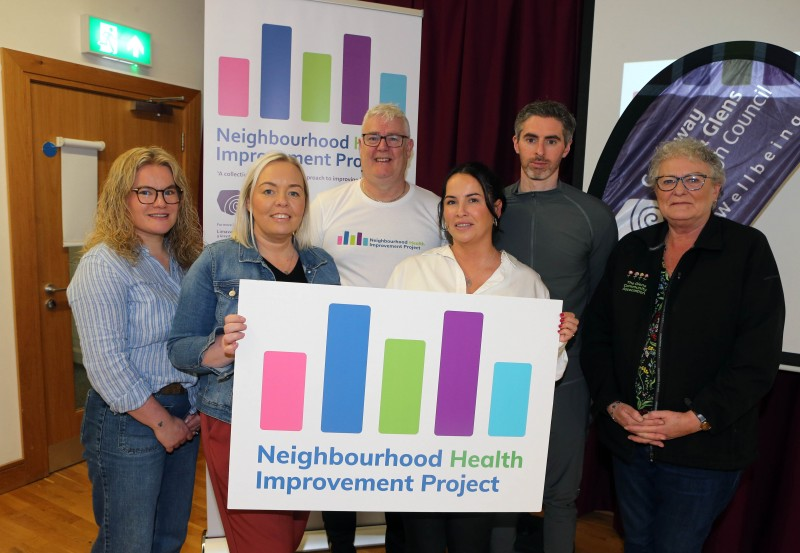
<point>246,531</point>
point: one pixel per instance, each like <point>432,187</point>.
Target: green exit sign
<point>115,41</point>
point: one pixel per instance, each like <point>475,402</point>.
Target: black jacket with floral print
<point>721,337</point>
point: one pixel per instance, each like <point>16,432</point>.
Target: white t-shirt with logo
<point>367,239</point>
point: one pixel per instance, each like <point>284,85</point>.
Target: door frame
<point>20,71</point>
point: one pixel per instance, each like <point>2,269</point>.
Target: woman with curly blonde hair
<point>140,420</point>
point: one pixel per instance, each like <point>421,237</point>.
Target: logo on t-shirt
<point>348,238</point>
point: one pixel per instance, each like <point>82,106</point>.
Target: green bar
<point>401,390</point>
<point>316,103</point>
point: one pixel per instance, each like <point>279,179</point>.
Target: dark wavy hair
<point>492,188</point>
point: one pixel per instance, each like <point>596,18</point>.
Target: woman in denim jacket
<point>267,243</point>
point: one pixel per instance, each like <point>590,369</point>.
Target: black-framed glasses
<point>392,140</point>
<point>147,195</point>
<point>692,181</point>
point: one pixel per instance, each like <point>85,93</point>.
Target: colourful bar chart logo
<point>274,84</point>
<point>402,381</point>
<point>348,238</point>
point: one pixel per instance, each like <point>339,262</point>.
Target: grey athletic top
<point>566,236</point>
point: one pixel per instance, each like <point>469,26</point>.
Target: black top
<point>297,274</point>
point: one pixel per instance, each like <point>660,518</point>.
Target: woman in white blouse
<point>469,213</point>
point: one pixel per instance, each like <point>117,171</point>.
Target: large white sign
<point>368,399</point>
<point>298,76</point>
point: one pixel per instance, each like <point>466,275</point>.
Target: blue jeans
<point>669,508</point>
<point>141,495</point>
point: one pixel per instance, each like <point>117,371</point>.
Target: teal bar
<point>511,386</point>
<point>401,389</point>
<point>394,89</point>
<point>316,97</point>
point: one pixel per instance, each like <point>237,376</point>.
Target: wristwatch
<point>705,426</point>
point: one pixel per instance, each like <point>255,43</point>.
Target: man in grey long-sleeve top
<point>566,236</point>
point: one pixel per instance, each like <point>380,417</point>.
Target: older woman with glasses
<point>139,420</point>
<point>680,342</point>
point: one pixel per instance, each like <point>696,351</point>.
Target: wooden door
<point>48,99</point>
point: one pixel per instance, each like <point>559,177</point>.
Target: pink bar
<point>233,87</point>
<point>283,390</point>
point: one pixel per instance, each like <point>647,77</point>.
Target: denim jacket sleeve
<point>197,322</point>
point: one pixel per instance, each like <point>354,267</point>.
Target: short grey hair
<point>387,112</point>
<point>689,148</point>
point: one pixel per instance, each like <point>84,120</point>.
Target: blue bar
<point>276,70</point>
<point>345,368</point>
<point>346,238</point>
<point>393,89</point>
<point>511,386</point>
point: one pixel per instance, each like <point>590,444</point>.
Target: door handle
<point>50,289</point>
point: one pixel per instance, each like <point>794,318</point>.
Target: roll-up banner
<point>297,76</point>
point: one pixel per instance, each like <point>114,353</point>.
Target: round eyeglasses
<point>694,181</point>
<point>147,195</point>
<point>392,140</point>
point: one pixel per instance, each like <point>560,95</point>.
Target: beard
<point>538,173</point>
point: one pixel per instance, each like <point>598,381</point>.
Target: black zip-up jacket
<point>721,339</point>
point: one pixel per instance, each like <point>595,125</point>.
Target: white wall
<point>52,28</point>
<point>650,30</point>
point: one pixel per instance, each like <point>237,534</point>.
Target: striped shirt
<point>124,314</point>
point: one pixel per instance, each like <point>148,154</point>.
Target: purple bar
<point>355,78</point>
<point>358,238</point>
<point>458,373</point>
<point>233,87</point>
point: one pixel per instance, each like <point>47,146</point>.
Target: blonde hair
<point>243,231</point>
<point>113,225</point>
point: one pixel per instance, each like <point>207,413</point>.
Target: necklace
<point>489,266</point>
<point>280,262</point>
<point>406,188</point>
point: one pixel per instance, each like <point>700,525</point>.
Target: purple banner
<point>747,111</point>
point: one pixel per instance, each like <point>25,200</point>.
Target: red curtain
<point>482,60</point>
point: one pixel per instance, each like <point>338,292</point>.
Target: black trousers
<point>451,532</point>
<point>340,526</point>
